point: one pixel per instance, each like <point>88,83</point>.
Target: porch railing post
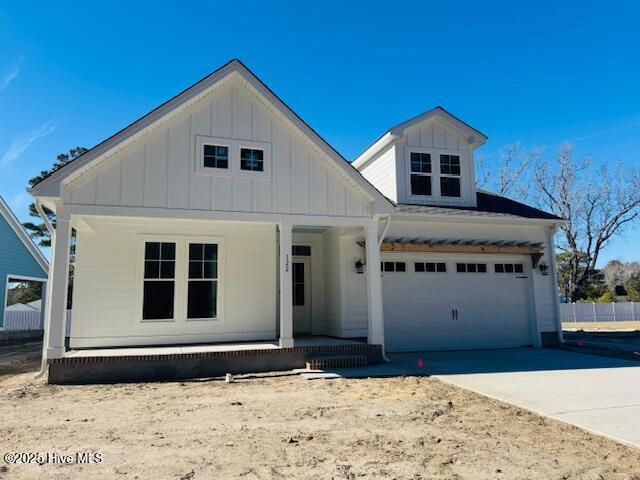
<point>286,307</point>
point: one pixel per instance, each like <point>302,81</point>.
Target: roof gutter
<point>47,302</point>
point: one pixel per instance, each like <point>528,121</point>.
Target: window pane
<point>152,251</point>
<point>420,185</point>
<point>157,300</point>
<point>499,268</point>
<point>420,162</point>
<point>298,294</point>
<point>449,187</point>
<point>195,251</point>
<point>168,251</point>
<point>195,269</point>
<point>430,267</point>
<point>152,269</point>
<point>482,268</point>
<point>209,150</point>
<point>210,251</point>
<point>202,299</point>
<point>167,269</point>
<point>441,267</point>
<point>301,250</point>
<point>508,267</point>
<point>461,267</point>
<point>216,156</point>
<point>388,267</point>
<point>419,267</point>
<point>210,270</point>
<point>471,267</point>
<point>519,267</point>
<point>251,159</point>
<point>297,273</point>
<point>455,164</point>
<point>401,267</point>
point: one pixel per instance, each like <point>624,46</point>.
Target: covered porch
<point>284,292</point>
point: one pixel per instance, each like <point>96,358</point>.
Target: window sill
<point>158,320</point>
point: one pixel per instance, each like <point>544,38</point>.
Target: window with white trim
<point>252,159</point>
<point>509,268</point>
<point>159,281</point>
<point>215,156</point>
<point>202,288</point>
<point>420,173</point>
<point>430,267</point>
<point>398,267</point>
<point>471,267</point>
<point>450,175</point>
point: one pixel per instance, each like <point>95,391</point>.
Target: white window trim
<point>233,167</point>
<point>450,175</point>
<point>436,195</point>
<point>219,279</point>
<point>181,276</point>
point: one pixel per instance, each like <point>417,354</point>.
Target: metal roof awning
<point>446,245</point>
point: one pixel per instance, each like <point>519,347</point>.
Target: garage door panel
<point>492,309</point>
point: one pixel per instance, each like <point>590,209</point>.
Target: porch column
<point>374,286</point>
<point>286,308</point>
<point>58,279</point>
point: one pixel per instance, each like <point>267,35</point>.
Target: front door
<point>301,278</point>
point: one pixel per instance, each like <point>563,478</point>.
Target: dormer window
<point>450,175</point>
<point>420,173</point>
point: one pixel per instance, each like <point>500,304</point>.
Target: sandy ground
<point>281,426</point>
<point>602,326</point>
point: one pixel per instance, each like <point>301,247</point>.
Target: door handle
<point>456,312</point>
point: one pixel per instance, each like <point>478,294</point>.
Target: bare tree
<point>595,205</point>
<point>508,177</point>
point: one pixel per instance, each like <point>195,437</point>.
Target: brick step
<point>336,361</point>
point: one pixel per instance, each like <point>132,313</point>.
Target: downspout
<point>383,234</point>
<point>551,233</point>
<point>47,314</point>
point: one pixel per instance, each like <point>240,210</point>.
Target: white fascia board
<point>374,149</point>
<point>24,237</point>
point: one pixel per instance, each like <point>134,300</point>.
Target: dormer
<point>427,160</point>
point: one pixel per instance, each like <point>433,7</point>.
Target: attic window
<point>216,156</point>
<point>449,175</point>
<point>420,173</point>
<point>252,159</point>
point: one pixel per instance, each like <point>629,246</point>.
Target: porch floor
<point>298,342</point>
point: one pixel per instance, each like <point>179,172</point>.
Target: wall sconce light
<point>359,266</point>
<point>544,268</point>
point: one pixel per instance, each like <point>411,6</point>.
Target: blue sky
<point>73,74</point>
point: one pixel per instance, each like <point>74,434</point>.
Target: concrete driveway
<point>599,394</point>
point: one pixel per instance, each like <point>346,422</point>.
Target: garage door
<point>434,302</point>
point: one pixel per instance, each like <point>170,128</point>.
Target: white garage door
<point>438,302</point>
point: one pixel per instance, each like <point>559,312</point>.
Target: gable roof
<point>50,186</point>
<point>475,137</point>
<point>24,237</point>
<point>488,205</point>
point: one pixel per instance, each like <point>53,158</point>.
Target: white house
<point>221,216</point>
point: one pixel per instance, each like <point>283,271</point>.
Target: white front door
<point>301,278</point>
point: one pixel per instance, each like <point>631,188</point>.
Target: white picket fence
<point>27,321</point>
<point>600,312</point>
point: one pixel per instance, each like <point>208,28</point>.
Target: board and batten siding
<point>160,169</point>
<point>106,308</point>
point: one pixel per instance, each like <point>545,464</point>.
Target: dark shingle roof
<point>488,204</point>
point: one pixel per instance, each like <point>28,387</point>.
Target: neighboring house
<point>222,217</point>
<point>20,258</point>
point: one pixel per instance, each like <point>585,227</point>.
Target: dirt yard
<point>602,326</point>
<point>281,426</point>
